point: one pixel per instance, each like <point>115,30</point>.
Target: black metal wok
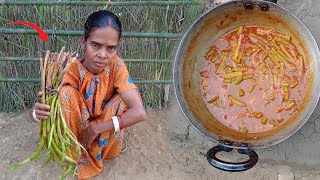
<point>189,58</point>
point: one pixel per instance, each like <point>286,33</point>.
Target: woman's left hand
<point>87,137</point>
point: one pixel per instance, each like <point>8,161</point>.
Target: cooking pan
<point>189,59</point>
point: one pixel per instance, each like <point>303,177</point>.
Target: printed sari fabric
<point>89,99</point>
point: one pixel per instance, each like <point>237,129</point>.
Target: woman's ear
<point>83,43</point>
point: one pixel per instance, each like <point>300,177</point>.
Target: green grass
<point>160,19</point>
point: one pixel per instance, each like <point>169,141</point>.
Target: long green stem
<point>51,135</point>
<point>30,158</point>
<point>53,108</point>
<point>66,172</point>
<point>62,155</point>
<point>75,141</point>
<point>58,129</point>
<point>48,160</point>
<point>48,121</point>
<point>64,125</point>
<point>40,130</point>
<point>44,128</point>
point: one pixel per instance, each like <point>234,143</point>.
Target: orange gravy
<point>253,79</point>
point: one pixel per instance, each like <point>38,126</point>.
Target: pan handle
<point>273,1</point>
<point>263,6</point>
<point>231,166</point>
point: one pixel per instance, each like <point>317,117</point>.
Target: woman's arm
<point>135,113</point>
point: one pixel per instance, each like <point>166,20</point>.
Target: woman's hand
<point>135,113</point>
<point>39,111</point>
<point>87,137</point>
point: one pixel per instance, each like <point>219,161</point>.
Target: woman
<point>98,95</point>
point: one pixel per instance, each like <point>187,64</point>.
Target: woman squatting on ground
<point>98,95</point>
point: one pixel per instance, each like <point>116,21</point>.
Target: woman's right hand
<point>40,111</point>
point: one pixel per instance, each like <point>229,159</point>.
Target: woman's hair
<point>100,19</point>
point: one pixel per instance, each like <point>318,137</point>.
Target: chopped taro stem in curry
<point>253,78</point>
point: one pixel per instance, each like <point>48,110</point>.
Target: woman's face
<point>99,48</point>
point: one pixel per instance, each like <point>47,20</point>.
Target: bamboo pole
<point>35,80</point>
<point>103,3</point>
<point>148,60</point>
<point>80,33</point>
<point>125,60</point>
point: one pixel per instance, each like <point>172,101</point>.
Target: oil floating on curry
<point>253,79</point>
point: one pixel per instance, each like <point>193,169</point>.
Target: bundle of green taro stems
<point>61,144</point>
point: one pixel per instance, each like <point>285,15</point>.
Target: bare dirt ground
<point>155,151</point>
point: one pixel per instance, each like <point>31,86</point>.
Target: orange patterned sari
<point>90,99</point>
